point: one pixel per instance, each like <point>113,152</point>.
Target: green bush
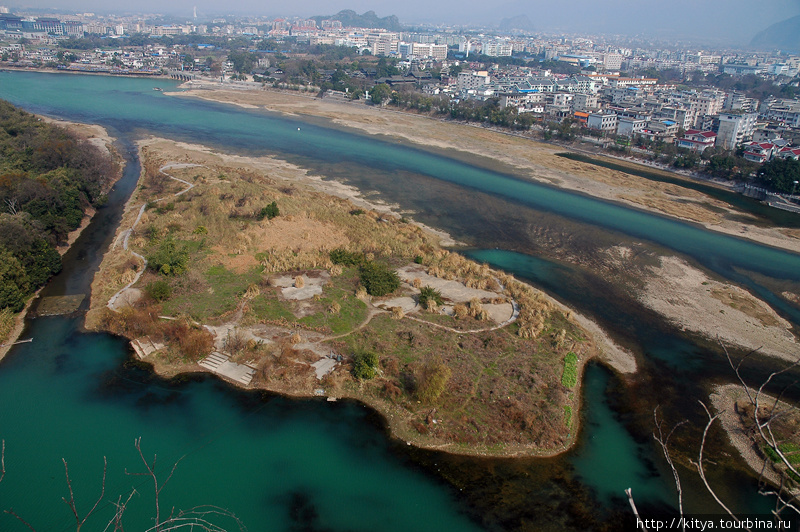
<point>378,279</point>
<point>365,365</point>
<point>428,294</point>
<point>171,257</point>
<point>269,212</point>
<point>346,258</point>
<point>567,416</point>
<point>159,290</point>
<point>570,376</point>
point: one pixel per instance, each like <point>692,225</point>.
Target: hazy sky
<point>737,20</point>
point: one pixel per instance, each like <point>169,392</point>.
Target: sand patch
<point>697,303</point>
<point>452,290</point>
<point>126,298</point>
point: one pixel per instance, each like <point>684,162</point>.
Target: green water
<point>307,465</point>
<point>278,464</point>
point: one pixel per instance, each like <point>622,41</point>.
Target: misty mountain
<point>519,22</point>
<point>350,18</point>
<point>783,35</point>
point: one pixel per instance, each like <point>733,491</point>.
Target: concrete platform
<point>221,365</point>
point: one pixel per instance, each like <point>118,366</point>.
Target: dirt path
<point>112,303</point>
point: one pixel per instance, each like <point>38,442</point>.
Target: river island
<point>255,270</point>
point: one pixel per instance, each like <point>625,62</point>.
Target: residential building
<point>602,121</point>
<point>582,102</point>
<point>472,80</point>
<point>628,127</point>
<point>734,129</point>
<point>789,153</point>
<point>759,153</point>
<point>696,140</point>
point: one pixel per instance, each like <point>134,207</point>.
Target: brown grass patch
<point>745,304</point>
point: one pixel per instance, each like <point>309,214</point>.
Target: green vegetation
<point>269,212</point>
<point>158,290</point>
<point>568,416</point>
<point>365,365</point>
<point>432,382</point>
<point>378,279</point>
<point>170,257</point>
<point>570,376</point>
<point>48,177</point>
<point>429,295</point>
<point>790,450</point>
<point>346,258</point>
<point>780,175</point>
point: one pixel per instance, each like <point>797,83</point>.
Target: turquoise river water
<point>282,464</point>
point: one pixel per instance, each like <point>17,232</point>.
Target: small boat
<point>157,88</point>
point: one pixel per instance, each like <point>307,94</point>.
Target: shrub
<point>365,365</point>
<point>346,258</point>
<point>428,295</point>
<point>269,212</point>
<point>432,381</point>
<point>194,344</point>
<point>171,257</point>
<point>158,290</point>
<point>378,279</point>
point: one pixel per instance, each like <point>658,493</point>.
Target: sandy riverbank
<point>695,302</point>
<point>532,159</point>
<point>98,136</point>
<point>723,400</point>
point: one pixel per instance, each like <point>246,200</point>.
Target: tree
<point>378,279</point>
<point>770,422</point>
<point>365,365</point>
<point>14,283</point>
<point>170,258</point>
<point>269,212</point>
<point>200,518</point>
<point>780,174</point>
<point>380,93</point>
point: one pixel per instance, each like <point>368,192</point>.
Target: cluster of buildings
<point>638,106</point>
<point>600,97</point>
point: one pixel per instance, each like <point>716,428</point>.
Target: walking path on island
<point>112,303</point>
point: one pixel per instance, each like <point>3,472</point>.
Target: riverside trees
<point>48,178</point>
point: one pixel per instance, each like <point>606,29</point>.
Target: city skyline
<point>734,21</point>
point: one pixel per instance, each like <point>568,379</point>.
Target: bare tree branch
<point>71,502</point>
<point>699,463</point>
<point>12,513</point>
<point>664,442</point>
<point>629,493</point>
<point>151,472</point>
<point>764,425</point>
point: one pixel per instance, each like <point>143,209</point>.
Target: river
<point>308,465</point>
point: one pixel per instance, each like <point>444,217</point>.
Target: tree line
<point>48,178</point>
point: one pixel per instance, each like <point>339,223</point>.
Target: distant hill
<point>350,18</point>
<point>518,23</point>
<point>784,35</point>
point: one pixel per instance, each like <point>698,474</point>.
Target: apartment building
<point>735,129</point>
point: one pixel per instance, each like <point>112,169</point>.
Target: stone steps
<point>221,365</point>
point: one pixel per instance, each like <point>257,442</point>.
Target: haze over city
<point>733,21</point>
